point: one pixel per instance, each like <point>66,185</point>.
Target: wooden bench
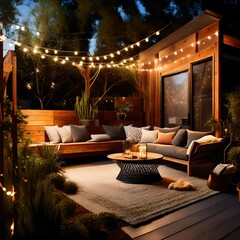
<point>37,119</point>
<point>84,149</point>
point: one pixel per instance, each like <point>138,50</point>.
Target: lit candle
<point>142,151</point>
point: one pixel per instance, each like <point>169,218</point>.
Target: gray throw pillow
<point>115,132</point>
<point>180,139</point>
<point>194,135</point>
<point>80,133</point>
<point>167,129</point>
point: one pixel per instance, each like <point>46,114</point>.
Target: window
<point>175,99</point>
<point>202,94</point>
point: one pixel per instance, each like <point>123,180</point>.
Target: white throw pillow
<point>149,136</point>
<point>205,139</point>
<point>133,134</point>
<point>65,134</point>
<point>52,134</point>
<point>99,137</point>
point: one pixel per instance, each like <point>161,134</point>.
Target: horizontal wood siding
<point>176,57</point>
<point>64,117</point>
<point>37,119</point>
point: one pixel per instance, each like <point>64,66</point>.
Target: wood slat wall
<point>171,60</point>
<point>37,119</point>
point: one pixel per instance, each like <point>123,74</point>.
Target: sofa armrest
<point>205,151</point>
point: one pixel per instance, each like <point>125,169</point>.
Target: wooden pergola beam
<point>2,222</point>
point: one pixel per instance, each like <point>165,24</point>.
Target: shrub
<point>67,206</point>
<point>234,156</point>
<point>57,180</point>
<point>74,230</point>
<point>70,187</point>
<point>109,220</point>
<point>94,225</point>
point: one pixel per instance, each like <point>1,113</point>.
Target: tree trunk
<point>87,81</point>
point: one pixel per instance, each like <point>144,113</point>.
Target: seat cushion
<point>168,150</point>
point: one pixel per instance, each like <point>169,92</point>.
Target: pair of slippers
<point>181,185</point>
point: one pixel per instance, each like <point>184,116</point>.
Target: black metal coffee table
<point>135,170</point>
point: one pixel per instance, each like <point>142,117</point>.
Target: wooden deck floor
<point>217,217</point>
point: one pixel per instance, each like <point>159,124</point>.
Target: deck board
<point>233,235</point>
<point>213,218</point>
<point>212,227</point>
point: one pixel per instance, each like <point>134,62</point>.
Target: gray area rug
<point>100,191</point>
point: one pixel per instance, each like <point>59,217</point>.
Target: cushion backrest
<point>180,139</point>
<point>194,135</point>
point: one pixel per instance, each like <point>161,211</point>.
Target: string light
<point>126,48</point>
<point>8,193</point>
<point>175,53</point>
<point>63,59</point>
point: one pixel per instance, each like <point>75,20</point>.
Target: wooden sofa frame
<point>84,149</point>
<point>37,119</point>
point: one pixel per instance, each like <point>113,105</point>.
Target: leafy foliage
<point>70,187</point>
<point>125,107</point>
<point>84,108</point>
<point>9,12</point>
<point>8,122</point>
<point>233,103</point>
<point>234,156</point>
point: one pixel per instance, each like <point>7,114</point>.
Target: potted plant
<point>233,102</point>
<point>122,111</point>
<point>86,111</point>
<point>233,155</point>
<point>234,158</point>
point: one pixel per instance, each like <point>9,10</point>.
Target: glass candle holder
<point>142,150</point>
<point>127,149</point>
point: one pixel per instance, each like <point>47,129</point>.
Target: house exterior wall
<point>176,57</point>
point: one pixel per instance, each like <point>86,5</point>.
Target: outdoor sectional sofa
<point>198,151</point>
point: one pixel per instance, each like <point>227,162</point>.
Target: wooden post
<point>14,113</point>
<point>15,137</point>
<point>2,222</point>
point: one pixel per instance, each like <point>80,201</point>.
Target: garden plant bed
<point>113,233</point>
